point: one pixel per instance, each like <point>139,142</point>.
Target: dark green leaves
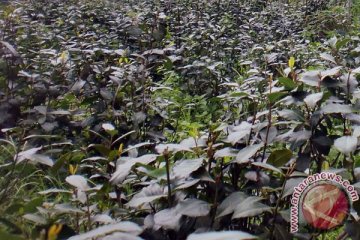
<point>8,236</point>
<point>288,83</point>
<point>273,97</point>
<point>279,158</point>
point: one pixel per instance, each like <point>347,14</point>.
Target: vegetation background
<point>174,119</point>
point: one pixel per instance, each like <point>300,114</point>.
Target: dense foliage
<point>168,119</point>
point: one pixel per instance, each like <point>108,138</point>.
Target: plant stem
<point>88,213</point>
<point>269,122</point>
<point>167,161</point>
<point>252,123</point>
<point>276,210</point>
<point>215,204</point>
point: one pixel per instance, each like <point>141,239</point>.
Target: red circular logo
<point>325,206</point>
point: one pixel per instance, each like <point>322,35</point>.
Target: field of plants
<point>174,119</point>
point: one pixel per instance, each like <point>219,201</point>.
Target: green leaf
<point>102,149</point>
<point>157,173</point>
<point>279,157</point>
<point>151,171</point>
<point>11,226</point>
<point>239,94</point>
<point>113,154</point>
<point>168,64</point>
<point>13,208</point>
<point>288,83</point>
<point>8,236</point>
<point>30,207</point>
<point>341,43</point>
<point>60,162</point>
<point>273,97</point>
<point>77,157</point>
